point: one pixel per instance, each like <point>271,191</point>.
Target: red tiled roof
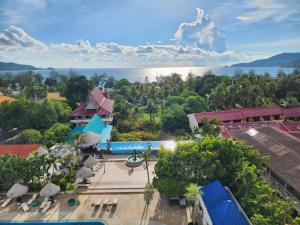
<point>292,126</point>
<point>221,115</point>
<point>80,111</point>
<point>262,111</point>
<point>20,149</point>
<point>292,112</point>
<point>105,106</point>
<point>240,114</point>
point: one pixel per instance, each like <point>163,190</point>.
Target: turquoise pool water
<point>128,147</point>
<point>55,223</point>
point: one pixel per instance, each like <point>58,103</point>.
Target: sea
<point>140,74</point>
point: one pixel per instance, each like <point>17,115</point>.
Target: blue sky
<point>141,33</point>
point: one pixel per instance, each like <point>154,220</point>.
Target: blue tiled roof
<point>95,125</point>
<point>220,205</point>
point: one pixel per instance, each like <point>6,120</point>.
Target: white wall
<point>206,218</point>
<point>192,121</point>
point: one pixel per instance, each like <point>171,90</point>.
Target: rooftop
<point>104,105</point>
<point>95,125</point>
<point>282,148</point>
<point>4,98</point>
<point>22,150</point>
<point>223,209</point>
<point>242,114</point>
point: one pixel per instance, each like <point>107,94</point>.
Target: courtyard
<point>131,210</point>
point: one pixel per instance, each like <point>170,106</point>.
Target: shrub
<point>29,136</point>
<point>147,125</point>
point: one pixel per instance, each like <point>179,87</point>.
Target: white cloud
<point>201,33</point>
<point>14,37</point>
<point>276,10</point>
<point>198,43</point>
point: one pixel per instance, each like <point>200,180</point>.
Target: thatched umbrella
<point>17,190</point>
<point>90,162</point>
<point>49,190</point>
<point>84,173</point>
<point>89,139</point>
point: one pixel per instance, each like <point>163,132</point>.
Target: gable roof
<point>95,125</point>
<point>240,114</point>
<point>23,150</point>
<point>221,206</point>
<point>104,105</point>
<point>282,148</point>
<point>99,99</point>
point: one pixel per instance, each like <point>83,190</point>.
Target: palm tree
<point>150,107</point>
<point>145,155</point>
<point>192,194</point>
<point>78,140</point>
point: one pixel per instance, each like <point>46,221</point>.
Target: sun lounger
<point>114,204</point>
<point>5,203</point>
<point>98,203</point>
<point>47,206</point>
<point>32,199</point>
<point>44,202</point>
<point>25,207</point>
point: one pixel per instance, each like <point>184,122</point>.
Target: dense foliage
<point>56,134</point>
<point>235,164</point>
<point>170,98</point>
<point>27,114</point>
<point>34,171</point>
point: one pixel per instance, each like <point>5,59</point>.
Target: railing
<point>283,191</point>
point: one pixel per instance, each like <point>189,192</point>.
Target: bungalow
<point>245,115</point>
<point>22,150</point>
<point>219,207</point>
<point>96,104</point>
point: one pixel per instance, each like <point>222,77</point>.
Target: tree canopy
<point>235,164</point>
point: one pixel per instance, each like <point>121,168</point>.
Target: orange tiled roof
<point>55,95</point>
<point>4,98</point>
<point>19,149</point>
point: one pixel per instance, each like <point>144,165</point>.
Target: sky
<point>143,33</point>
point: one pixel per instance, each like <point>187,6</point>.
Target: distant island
<point>9,66</point>
<point>288,60</point>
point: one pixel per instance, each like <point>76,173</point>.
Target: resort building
<point>219,207</point>
<point>4,98</point>
<point>292,128</point>
<point>97,126</point>
<point>283,150</point>
<point>96,104</point>
<point>22,150</point>
<point>246,115</point>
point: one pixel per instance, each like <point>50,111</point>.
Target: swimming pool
<point>55,223</point>
<point>127,147</point>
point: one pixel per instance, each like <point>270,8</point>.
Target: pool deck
<point>131,210</point>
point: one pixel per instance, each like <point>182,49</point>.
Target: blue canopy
<point>95,125</point>
<point>221,206</point>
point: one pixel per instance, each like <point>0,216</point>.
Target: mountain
<point>291,60</point>
<point>14,66</point>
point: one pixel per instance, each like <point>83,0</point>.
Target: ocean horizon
<point>139,74</point>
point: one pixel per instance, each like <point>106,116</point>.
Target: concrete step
<point>112,191</point>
